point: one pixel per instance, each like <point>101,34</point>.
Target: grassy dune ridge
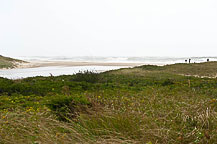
<point>6,62</point>
<point>146,104</point>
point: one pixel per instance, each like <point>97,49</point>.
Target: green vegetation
<point>146,104</point>
<point>207,69</point>
<point>6,62</point>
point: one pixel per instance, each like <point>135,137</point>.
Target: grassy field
<point>146,104</point>
<point>6,62</point>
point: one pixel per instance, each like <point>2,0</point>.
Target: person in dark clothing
<point>189,60</point>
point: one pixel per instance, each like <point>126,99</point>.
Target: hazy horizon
<point>133,28</point>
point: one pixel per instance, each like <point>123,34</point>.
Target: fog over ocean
<point>121,59</point>
<point>67,70</point>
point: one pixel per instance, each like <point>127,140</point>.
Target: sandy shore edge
<point>35,64</point>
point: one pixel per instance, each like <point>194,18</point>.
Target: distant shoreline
<point>48,61</point>
<point>35,64</point>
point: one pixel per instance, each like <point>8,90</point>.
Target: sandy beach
<point>35,64</point>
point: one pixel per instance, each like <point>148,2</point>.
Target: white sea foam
<point>150,60</point>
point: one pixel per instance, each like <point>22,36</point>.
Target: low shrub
<point>87,76</point>
<point>67,107</point>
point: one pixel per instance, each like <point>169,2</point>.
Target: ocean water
<point>61,70</point>
<point>145,60</point>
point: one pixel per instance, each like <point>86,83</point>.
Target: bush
<point>66,107</point>
<point>87,76</point>
<point>4,85</point>
<point>167,82</point>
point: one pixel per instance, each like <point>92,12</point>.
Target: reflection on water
<point>55,71</point>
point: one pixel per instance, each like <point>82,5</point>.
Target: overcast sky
<point>108,27</point>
